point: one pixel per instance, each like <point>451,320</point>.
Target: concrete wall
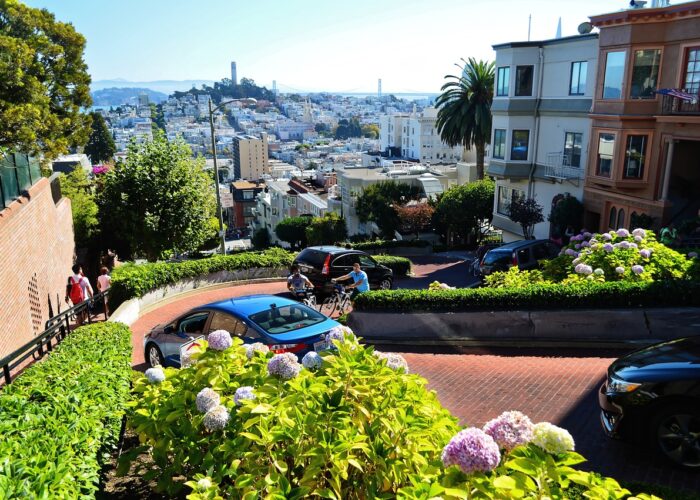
<point>36,254</point>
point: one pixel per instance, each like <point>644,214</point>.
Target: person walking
<point>359,278</point>
<point>104,281</point>
<point>77,289</point>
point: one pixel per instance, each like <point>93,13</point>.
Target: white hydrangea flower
<point>393,360</point>
<point>216,418</point>
<point>207,399</point>
<point>620,270</point>
<point>251,349</point>
<point>552,439</point>
<point>242,393</point>
<point>285,366</point>
<point>155,375</point>
<point>203,484</point>
<point>219,340</point>
<point>639,232</point>
<point>599,272</point>
<point>312,360</point>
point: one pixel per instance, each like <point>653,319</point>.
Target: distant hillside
<point>117,96</point>
<point>165,86</point>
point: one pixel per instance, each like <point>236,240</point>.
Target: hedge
<point>62,416</point>
<point>617,294</point>
<point>132,280</point>
<point>381,244</point>
<point>400,265</point>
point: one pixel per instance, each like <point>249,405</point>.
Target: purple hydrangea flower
<point>155,375</point>
<point>583,269</point>
<point>510,429</point>
<point>216,418</point>
<point>623,233</point>
<point>606,236</point>
<point>585,244</point>
<point>608,247</point>
<point>284,366</point>
<point>634,245</point>
<point>576,261</point>
<point>251,349</point>
<point>577,246</point>
<point>472,450</point>
<point>219,340</point>
<point>207,399</point>
<point>312,361</point>
<point>692,255</point>
<point>638,239</point>
<point>587,235</point>
<point>393,360</point>
<point>243,393</point>
<point>637,269</point>
<point>639,232</point>
<point>571,252</point>
<point>624,244</point>
<point>620,270</point>
<point>645,252</point>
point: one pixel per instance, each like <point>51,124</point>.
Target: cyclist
<point>359,278</point>
<point>298,284</point>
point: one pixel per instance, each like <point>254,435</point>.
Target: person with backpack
<point>77,289</point>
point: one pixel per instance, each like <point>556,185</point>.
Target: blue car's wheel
<point>153,355</point>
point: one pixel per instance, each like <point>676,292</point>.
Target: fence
<point>18,172</point>
<point>56,330</point>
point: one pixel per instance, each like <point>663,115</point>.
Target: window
<point>222,321</point>
<point>366,262</point>
<point>577,85</point>
<point>505,196</point>
<point>645,73</point>
<point>499,143</point>
<point>503,77</point>
<point>620,219</point>
<point>572,149</point>
<point>634,156</point>
<point>247,195</point>
<point>613,218</point>
<point>193,324</point>
<point>286,319</point>
<point>292,201</point>
<point>518,148</point>
<point>345,261</point>
<point>523,80</point>
<point>692,71</point>
<point>614,72</point>
<point>606,150</point>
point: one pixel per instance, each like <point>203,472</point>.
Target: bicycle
<point>338,302</point>
<point>306,297</point>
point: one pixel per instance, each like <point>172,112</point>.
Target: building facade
<point>250,157</point>
<point>242,212</point>
<point>644,167</point>
<point>540,131</point>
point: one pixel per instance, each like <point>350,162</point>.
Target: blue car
<point>282,324</point>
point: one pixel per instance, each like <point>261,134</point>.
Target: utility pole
<point>220,211</point>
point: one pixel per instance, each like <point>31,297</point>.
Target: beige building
<point>250,158</point>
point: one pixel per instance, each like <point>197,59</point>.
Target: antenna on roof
<point>529,24</point>
<point>558,35</point>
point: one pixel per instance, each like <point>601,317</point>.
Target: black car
<point>653,395</point>
<point>321,264</point>
<point>525,254</point>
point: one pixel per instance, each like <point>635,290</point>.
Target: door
<point>191,325</point>
<point>343,265</point>
<point>233,325</point>
<point>374,272</point>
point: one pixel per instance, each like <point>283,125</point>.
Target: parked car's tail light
<point>326,265</point>
<point>619,386</point>
<point>515,259</point>
<point>280,348</point>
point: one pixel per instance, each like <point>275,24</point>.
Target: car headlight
<point>619,386</point>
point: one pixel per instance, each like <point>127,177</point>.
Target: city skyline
<point>411,45</point>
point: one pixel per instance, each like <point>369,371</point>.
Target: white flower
<point>576,261</point>
<point>606,236</point>
<point>242,393</point>
<point>155,375</point>
<point>623,233</point>
<point>637,269</point>
<point>620,270</point>
<point>639,232</point>
<point>284,365</point>
<point>312,361</point>
<point>393,360</point>
<point>216,418</point>
<point>203,484</point>
<point>552,439</point>
<point>207,399</point>
<point>219,340</point>
<point>638,239</point>
<point>251,349</point>
<point>583,269</point>
<point>599,272</point>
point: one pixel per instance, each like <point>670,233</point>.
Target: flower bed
<point>241,422</point>
<point>400,265</point>
<point>61,415</point>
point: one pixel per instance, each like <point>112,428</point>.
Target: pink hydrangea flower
<point>219,340</point>
<point>472,450</point>
<point>510,429</point>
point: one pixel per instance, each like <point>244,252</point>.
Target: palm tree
<point>464,109</point>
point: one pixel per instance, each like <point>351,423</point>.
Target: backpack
<point>76,291</point>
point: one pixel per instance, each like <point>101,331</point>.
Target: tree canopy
<point>158,199</point>
<point>377,201</point>
<point>226,89</point>
<point>293,231</point>
<point>526,212</point>
<point>465,211</point>
<point>326,230</point>
<point>348,128</point>
<point>77,187</point>
<point>44,82</point>
<point>100,146</point>
<point>415,218</point>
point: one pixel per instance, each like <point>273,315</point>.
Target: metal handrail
<point>56,328</point>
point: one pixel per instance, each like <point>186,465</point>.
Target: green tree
<point>567,212</point>
<point>526,212</point>
<point>157,118</point>
<point>158,199</point>
<point>321,128</point>
<point>100,146</point>
<point>76,186</point>
<point>348,128</point>
<point>370,131</point>
<point>44,82</point>
<point>376,204</point>
<point>293,231</point>
<point>465,211</point>
<point>326,230</point>
<point>464,109</point>
<point>261,239</point>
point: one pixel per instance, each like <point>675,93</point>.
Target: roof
<point>540,43</point>
<point>248,304</point>
<point>647,14</point>
<point>246,185</point>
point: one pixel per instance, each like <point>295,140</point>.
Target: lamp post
<point>220,212</point>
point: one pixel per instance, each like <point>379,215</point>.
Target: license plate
<point>320,346</point>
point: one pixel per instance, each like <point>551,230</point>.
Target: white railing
<point>558,166</point>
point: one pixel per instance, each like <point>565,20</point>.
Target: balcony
<point>680,104</point>
<point>559,167</point>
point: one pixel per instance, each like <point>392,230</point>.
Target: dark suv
<point>321,264</point>
<point>524,254</point>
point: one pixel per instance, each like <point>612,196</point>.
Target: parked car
<point>282,324</point>
<point>322,264</point>
<point>653,395</point>
<point>525,254</point>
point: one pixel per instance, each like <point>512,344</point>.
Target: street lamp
<point>220,212</point>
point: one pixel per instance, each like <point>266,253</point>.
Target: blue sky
<point>308,45</point>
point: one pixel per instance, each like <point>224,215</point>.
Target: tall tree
<point>526,212</point>
<point>327,230</point>
<point>158,199</point>
<point>76,186</point>
<point>464,109</point>
<point>100,146</point>
<point>465,211</point>
<point>293,231</point>
<point>377,204</point>
<point>44,82</point>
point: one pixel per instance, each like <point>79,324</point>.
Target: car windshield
<point>286,318</point>
<point>495,257</point>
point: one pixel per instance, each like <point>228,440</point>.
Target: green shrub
<point>129,281</point>
<point>382,244</point>
<point>539,296</point>
<point>61,416</point>
<point>514,278</point>
<point>401,266</point>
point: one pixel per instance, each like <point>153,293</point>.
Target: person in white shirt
<point>78,289</point>
<point>104,281</point>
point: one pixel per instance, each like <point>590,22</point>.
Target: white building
<point>540,132</point>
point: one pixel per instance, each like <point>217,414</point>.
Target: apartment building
<point>540,131</point>
<point>645,138</point>
<point>244,194</point>
<point>250,157</point>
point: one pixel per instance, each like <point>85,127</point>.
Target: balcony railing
<point>672,105</point>
<point>558,166</point>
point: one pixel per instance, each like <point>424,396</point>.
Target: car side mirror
<point>169,329</point>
